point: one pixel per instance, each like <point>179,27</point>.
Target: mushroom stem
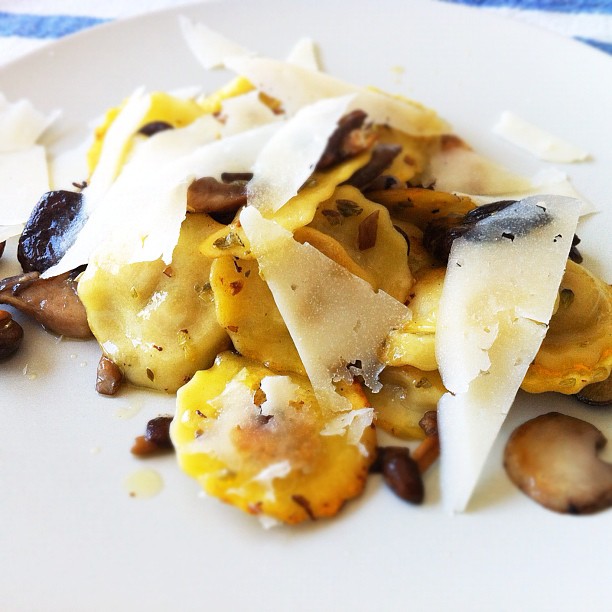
<point>426,453</point>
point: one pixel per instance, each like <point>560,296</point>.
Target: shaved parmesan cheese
<point>69,166</point>
<point>209,47</point>
<point>8,231</point>
<point>279,391</point>
<point>116,142</point>
<point>549,181</point>
<point>23,178</point>
<point>536,141</point>
<point>140,216</point>
<point>554,182</point>
<point>235,408</point>
<point>335,318</point>
<point>297,87</point>
<point>276,470</point>
<point>291,155</point>
<point>242,113</point>
<point>353,424</point>
<point>500,289</point>
<point>21,125</point>
<point>459,169</point>
<point>304,54</point>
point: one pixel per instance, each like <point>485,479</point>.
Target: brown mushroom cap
<point>53,302</point>
<point>11,334</point>
<point>553,459</point>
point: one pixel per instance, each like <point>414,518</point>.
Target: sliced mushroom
<point>154,127</point>
<point>597,394</point>
<point>382,157</point>
<point>11,334</point>
<point>50,230</point>
<point>400,472</point>
<point>108,377</point>
<point>349,139</point>
<point>553,459</point>
<point>53,302</point>
<point>156,439</point>
<point>212,196</point>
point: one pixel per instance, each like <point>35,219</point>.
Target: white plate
<point>70,536</point>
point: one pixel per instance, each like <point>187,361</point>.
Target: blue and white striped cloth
<point>29,24</point>
<point>589,21</point>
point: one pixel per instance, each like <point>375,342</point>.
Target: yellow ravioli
<point>157,322</point>
<point>260,441</point>
<point>386,257</point>
<point>577,349</point>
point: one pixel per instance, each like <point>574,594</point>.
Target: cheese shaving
<point>304,54</point>
<point>498,297</point>
<point>8,231</point>
<point>279,392</point>
<point>21,125</point>
<point>460,169</point>
<point>353,424</point>
<point>537,141</point>
<point>209,47</point>
<point>550,181</point>
<point>23,178</point>
<point>291,155</point>
<point>235,407</point>
<point>140,216</point>
<point>115,146</point>
<point>296,84</point>
<point>297,87</point>
<point>336,320</point>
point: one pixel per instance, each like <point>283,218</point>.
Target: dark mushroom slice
<point>553,459</point>
<point>53,302</point>
<point>156,439</point>
<point>597,394</point>
<point>2,245</point>
<point>154,127</point>
<point>382,157</point>
<point>574,253</point>
<point>368,231</point>
<point>348,140</point>
<point>51,229</point>
<point>11,334</point>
